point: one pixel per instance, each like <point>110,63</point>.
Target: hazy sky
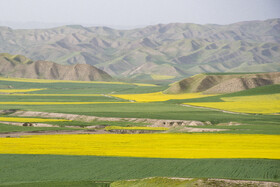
<point>131,13</point>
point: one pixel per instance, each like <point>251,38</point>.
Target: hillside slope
<point>20,66</point>
<point>176,49</point>
<point>223,83</point>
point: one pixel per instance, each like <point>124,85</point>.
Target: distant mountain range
<point>22,67</point>
<point>174,50</point>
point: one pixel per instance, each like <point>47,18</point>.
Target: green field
<point>12,128</point>
<point>91,168</point>
<point>81,88</point>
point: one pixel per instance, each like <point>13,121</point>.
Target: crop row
<point>158,96</point>
<point>148,145</point>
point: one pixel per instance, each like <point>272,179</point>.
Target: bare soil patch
<point>150,122</point>
<point>191,129</point>
<point>28,124</point>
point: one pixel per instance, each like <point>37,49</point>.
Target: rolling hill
<point>170,50</point>
<point>21,66</point>
<point>223,83</point>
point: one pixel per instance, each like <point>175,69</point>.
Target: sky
<point>133,13</point>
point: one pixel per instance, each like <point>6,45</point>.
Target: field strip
<point>69,81</point>
<point>18,168</point>
<point>256,98</point>
<point>57,103</point>
<point>53,94</point>
<point>158,96</point>
<point>148,145</point>
<point>19,90</point>
<point>216,109</point>
<point>30,120</point>
<point>52,132</point>
<point>162,77</point>
<point>266,107</point>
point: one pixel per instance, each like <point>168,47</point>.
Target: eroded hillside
<point>21,66</point>
<point>223,83</point>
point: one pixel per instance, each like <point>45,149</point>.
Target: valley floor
<point>61,133</point>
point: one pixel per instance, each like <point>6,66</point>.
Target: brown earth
<point>28,124</point>
<point>191,129</point>
<point>150,122</point>
<point>207,182</point>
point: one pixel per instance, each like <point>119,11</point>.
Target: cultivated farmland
<point>122,131</point>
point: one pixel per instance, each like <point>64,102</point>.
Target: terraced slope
<point>223,83</point>
<point>176,49</point>
<point>21,66</point>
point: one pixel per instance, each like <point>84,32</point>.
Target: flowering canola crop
<point>54,103</point>
<point>19,90</point>
<point>158,96</point>
<point>16,119</point>
<point>148,145</point>
<point>67,81</point>
<point>243,107</point>
<point>257,98</point>
<point>18,94</point>
<point>264,104</point>
<point>161,77</point>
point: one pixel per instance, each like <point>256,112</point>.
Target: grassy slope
<point>36,168</point>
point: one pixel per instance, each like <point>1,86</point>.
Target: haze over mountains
<point>175,49</point>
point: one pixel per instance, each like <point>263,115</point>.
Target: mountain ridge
<point>22,67</point>
<point>185,49</point>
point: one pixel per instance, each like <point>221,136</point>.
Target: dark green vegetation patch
<point>36,168</point>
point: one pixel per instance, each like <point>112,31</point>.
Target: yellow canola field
<point>55,103</point>
<point>161,77</point>
<point>135,128</point>
<point>158,96</point>
<point>263,104</point>
<point>148,145</point>
<point>256,98</point>
<point>243,107</point>
<point>19,90</point>
<point>16,94</point>
<point>15,119</point>
<point>67,81</point>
